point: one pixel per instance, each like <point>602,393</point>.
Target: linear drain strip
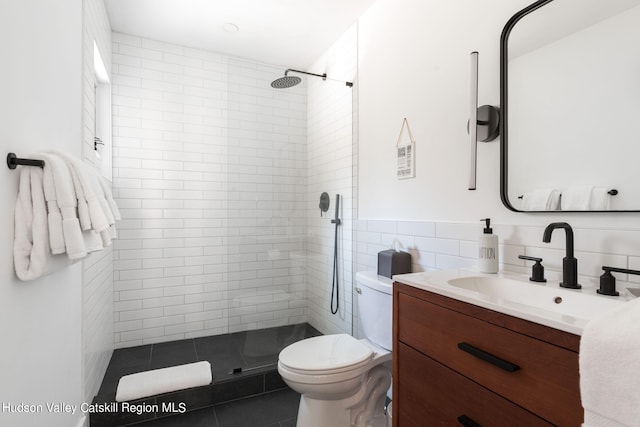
<point>241,370</point>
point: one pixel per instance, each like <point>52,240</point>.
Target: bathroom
<point>407,59</point>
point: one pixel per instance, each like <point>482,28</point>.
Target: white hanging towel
<point>576,198</point>
<point>109,196</point>
<point>32,256</point>
<point>94,193</point>
<point>83,209</point>
<point>95,200</point>
<point>56,169</point>
<point>546,199</point>
<point>31,251</point>
<point>54,216</point>
<point>49,216</point>
<point>600,199</point>
<point>610,368</point>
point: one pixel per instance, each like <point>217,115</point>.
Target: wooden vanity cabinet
<point>457,364</point>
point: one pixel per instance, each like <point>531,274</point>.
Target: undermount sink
<point>510,293</point>
<point>558,300</point>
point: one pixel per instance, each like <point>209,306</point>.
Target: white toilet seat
<point>325,355</point>
<point>309,361</point>
<point>343,381</point>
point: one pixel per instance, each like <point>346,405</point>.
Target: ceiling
<point>291,33</point>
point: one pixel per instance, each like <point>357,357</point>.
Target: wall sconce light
<point>486,119</point>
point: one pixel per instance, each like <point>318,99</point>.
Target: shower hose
<point>335,285</point>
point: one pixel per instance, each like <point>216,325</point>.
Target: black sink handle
<point>608,280</point>
<point>537,271</point>
<point>620,270</point>
<point>530,258</point>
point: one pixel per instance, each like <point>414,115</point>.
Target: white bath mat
<point>165,380</point>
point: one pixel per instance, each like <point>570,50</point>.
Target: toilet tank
<point>375,308</point>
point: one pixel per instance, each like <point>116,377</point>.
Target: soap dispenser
<point>488,249</point>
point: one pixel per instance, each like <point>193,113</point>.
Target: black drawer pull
<point>467,422</point>
<point>488,357</point>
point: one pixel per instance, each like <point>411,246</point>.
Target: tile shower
<point>222,253</point>
<point>218,190</point>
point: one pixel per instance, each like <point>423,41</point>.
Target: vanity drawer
<point>434,395</point>
<point>537,375</point>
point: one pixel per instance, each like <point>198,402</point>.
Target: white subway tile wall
<point>266,186</point>
<point>445,245</point>
<point>448,245</point>
<point>210,173</point>
<point>330,169</point>
<point>97,274</point>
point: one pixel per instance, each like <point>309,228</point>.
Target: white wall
<point>330,168</point>
<point>414,63</point>
<point>41,86</point>
<point>209,172</point>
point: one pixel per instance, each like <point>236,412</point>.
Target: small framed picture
<point>405,153</point>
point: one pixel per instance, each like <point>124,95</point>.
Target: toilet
<point>343,381</point>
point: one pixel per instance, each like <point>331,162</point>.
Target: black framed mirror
<point>570,104</point>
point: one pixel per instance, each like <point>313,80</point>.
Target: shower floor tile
<point>255,353</point>
<point>252,351</point>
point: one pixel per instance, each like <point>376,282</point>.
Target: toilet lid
<point>326,352</point>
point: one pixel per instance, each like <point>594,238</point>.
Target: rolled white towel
<point>165,380</point>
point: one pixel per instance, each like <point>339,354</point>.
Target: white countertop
<point>515,295</point>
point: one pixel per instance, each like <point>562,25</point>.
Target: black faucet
<point>569,262</point>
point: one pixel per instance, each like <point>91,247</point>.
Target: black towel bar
<point>13,161</point>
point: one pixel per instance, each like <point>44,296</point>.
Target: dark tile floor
<point>252,351</point>
<point>275,409</point>
<point>255,352</point>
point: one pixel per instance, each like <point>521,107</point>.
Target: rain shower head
<point>290,81</point>
<point>285,82</point>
